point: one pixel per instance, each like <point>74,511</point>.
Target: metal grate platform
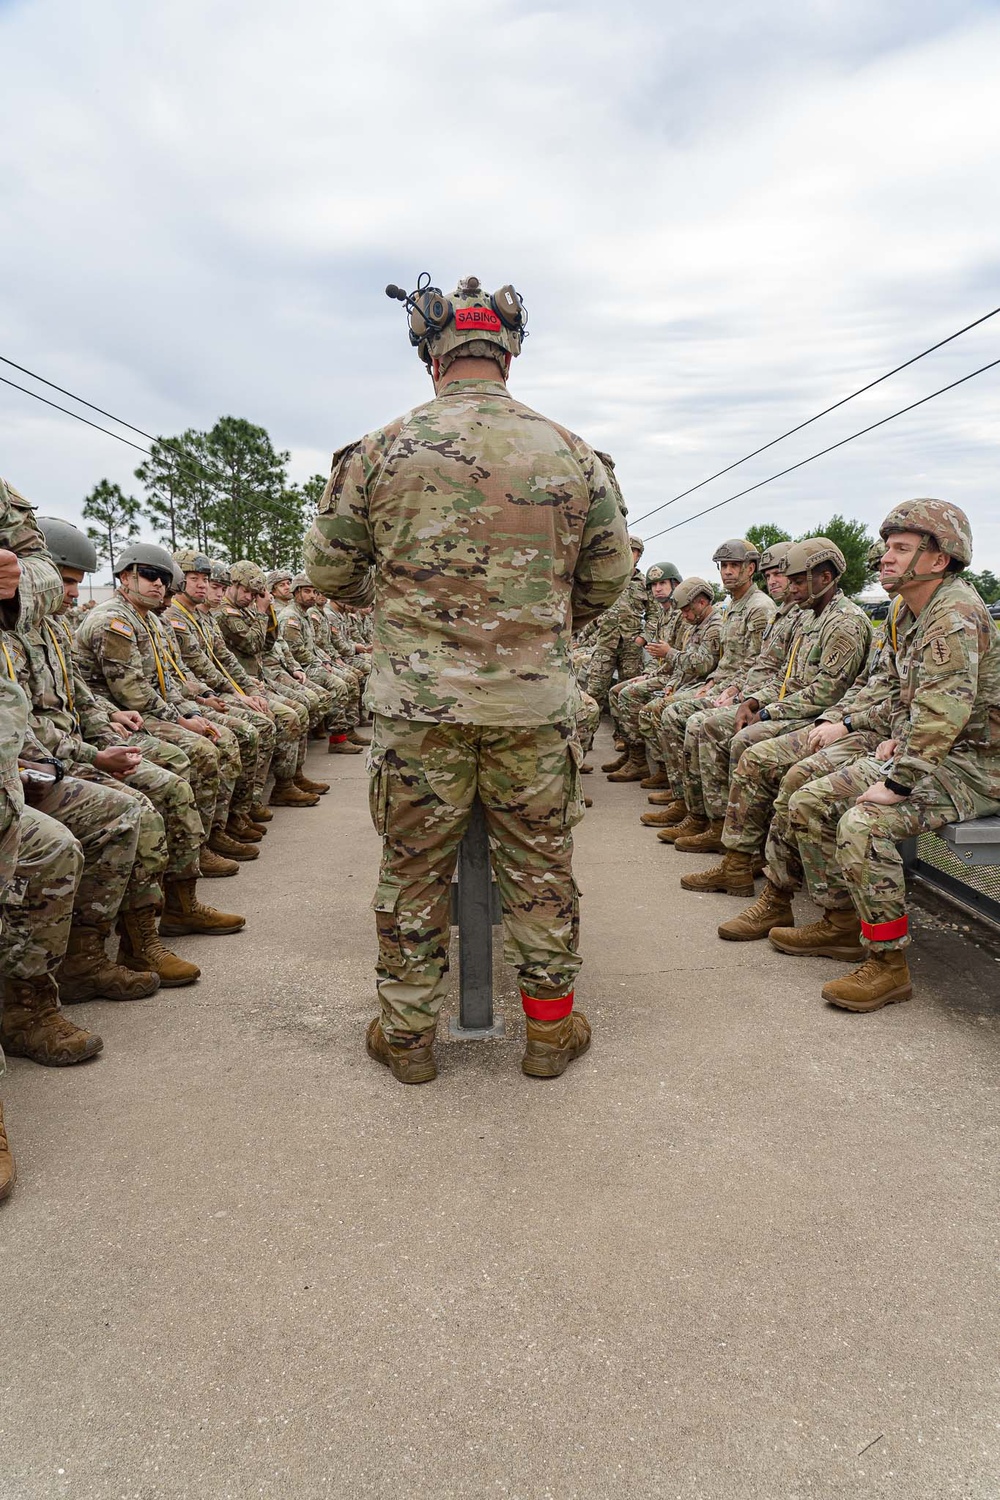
<point>973,885</point>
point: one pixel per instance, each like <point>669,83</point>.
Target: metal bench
<point>976,842</point>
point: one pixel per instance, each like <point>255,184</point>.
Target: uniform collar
<point>463,387</point>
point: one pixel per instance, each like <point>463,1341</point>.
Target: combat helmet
<point>815,552</point>
<point>177,586</point>
<point>469,322</point>
<point>688,590</point>
<point>737,550</point>
<point>301,581</point>
<point>637,544</point>
<point>774,556</point>
<point>191,561</point>
<point>665,570</point>
<point>149,555</point>
<point>277,575</point>
<point>249,576</point>
<point>69,547</point>
<point>220,572</point>
<point>937,519</point>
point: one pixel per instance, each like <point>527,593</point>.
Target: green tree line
<point>225,491</point>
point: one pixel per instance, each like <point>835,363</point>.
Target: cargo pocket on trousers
<point>573,807</point>
<point>390,949</point>
<point>378,791</point>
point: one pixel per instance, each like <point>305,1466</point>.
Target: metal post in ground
<point>474,911</point>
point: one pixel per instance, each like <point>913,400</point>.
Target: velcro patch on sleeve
<point>177,625</point>
<point>483,318</point>
<point>231,611</point>
<point>122,627</point>
<point>942,650</point>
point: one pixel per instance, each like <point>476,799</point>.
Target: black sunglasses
<point>154,575</point>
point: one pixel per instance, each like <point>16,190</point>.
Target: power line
<point>96,425</point>
<point>825,412</point>
<point>73,397</point>
<point>802,462</point>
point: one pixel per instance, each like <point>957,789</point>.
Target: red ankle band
<point>547,1010</point>
<point>885,932</point>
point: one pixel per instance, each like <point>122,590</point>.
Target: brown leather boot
<point>665,799</point>
<point>837,934</point>
<point>616,765</point>
<point>339,744</point>
<point>34,1026</point>
<point>709,842</point>
<point>665,817</point>
<point>410,1058</point>
<point>260,814</point>
<point>213,866</point>
<point>220,843</point>
<point>143,948</point>
<point>87,973</point>
<point>772,908</point>
<point>586,769</point>
<point>734,876</point>
<point>553,1045</point>
<point>287,794</point>
<point>242,830</point>
<point>658,779</point>
<point>883,979</point>
<point>8,1169</point>
<point>183,913</point>
<point>588,801</point>
<point>688,824</point>
<point>358,739</point>
<point>317,788</point>
<point>634,769</point>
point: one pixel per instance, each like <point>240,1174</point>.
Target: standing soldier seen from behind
<point>492,532</point>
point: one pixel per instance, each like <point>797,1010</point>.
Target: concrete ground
<point>747,1247</point>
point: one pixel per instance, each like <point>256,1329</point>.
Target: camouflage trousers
<point>588,720</point>
<point>170,831</point>
<point>678,719</point>
<point>204,769</point>
<point>851,852</point>
<point>626,701</point>
<point>289,735</point>
<point>267,735</point>
<point>244,732</point>
<point>37,907</point>
<point>424,780</point>
<point>105,822</point>
<point>648,722</point>
<point>309,704</point>
<point>784,867</point>
<point>719,750</point>
<point>342,693</point>
<point>609,657</point>
<point>755,784</point>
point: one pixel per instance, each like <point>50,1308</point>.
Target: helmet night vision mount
<point>439,324</point>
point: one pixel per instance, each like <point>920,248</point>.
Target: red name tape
<point>477,317</point>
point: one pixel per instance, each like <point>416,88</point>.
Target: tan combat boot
<point>658,779</point>
<point>287,794</point>
<point>665,799</point>
<point>317,788</point>
<point>183,913</point>
<point>143,948</point>
<point>8,1169</point>
<point>586,769</point>
<point>357,739</point>
<point>616,765</point>
<point>242,830</point>
<point>772,908</point>
<point>883,979</point>
<point>665,817</point>
<point>213,867</point>
<point>553,1045</point>
<point>709,842</point>
<point>688,824</point>
<point>34,1026</point>
<point>260,814</point>
<point>409,1058</point>
<point>734,876</point>
<point>339,744</point>
<point>220,843</point>
<point>837,934</point>
<point>634,769</point>
<point>87,973</point>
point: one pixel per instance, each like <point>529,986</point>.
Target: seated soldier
<point>688,664</point>
<point>665,629</point>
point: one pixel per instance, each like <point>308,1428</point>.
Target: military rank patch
<point>468,318</point>
<point>122,627</point>
<point>177,625</point>
<point>231,611</point>
<point>939,649</point>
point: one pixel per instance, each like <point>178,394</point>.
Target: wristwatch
<point>846,721</point>
<point>763,714</point>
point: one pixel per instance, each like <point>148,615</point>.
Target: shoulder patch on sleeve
<point>338,464</point>
<point>121,626</point>
<point>231,611</point>
<point>942,650</point>
<point>178,625</point>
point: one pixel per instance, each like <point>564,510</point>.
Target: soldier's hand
<point>660,650</point>
<point>299,676</point>
<point>260,704</point>
<point>822,735</point>
<point>879,795</point>
<point>118,760</point>
<point>886,750</point>
<point>10,574</point>
<point>198,725</point>
<point>128,719</point>
<point>747,713</point>
<point>726,697</point>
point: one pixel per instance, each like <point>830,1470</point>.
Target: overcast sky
<point>722,218</point>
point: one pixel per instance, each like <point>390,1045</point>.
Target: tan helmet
<point>301,581</point>
<point>813,553</point>
<point>874,555</point>
<point>278,575</point>
<point>688,590</point>
<point>738,550</point>
<point>637,544</point>
<point>249,576</point>
<point>937,519</point>
<point>191,561</point>
<point>774,556</point>
<point>470,321</point>
<point>220,572</point>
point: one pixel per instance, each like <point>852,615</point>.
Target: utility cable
<point>825,412</point>
<point>96,425</point>
<point>802,462</point>
<point>64,392</point>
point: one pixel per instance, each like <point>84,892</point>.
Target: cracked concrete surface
<point>745,1248</point>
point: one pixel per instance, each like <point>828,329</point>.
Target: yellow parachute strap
<point>208,646</point>
<point>897,605</point>
<point>788,670</point>
<point>156,658</point>
<point>10,665</point>
<point>62,662</point>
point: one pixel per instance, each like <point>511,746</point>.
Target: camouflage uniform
<point>492,532</point>
<point>615,648</point>
<point>246,674</point>
<point>947,732</point>
<point>295,628</point>
<point>696,660</point>
<point>628,697</point>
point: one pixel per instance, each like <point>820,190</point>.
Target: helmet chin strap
<point>812,596</point>
<point>910,574</point>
